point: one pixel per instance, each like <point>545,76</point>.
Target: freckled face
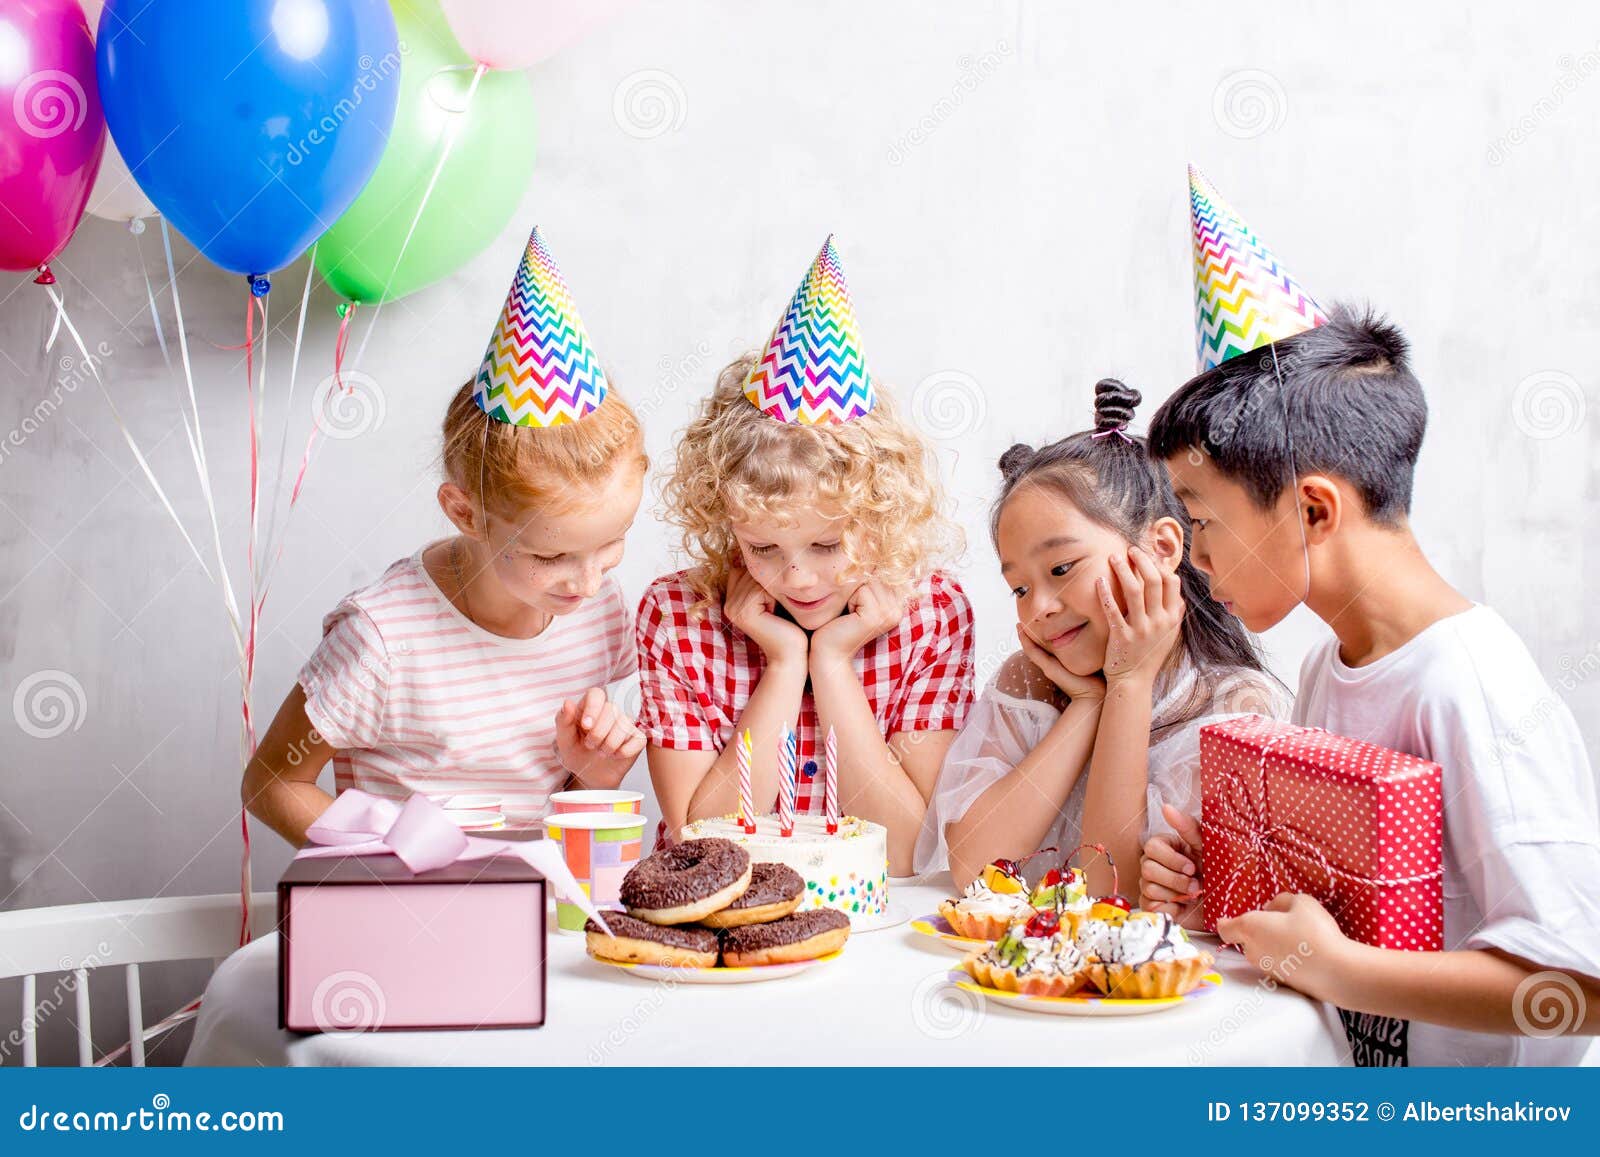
<point>554,561</point>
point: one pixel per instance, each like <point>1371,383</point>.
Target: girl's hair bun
<point>1114,404</point>
<point>1016,460</point>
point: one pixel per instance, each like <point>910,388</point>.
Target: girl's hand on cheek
<point>870,612</point>
<point>750,608</point>
<point>1139,641</point>
<point>1079,688</point>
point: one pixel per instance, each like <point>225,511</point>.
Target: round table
<point>886,1000</point>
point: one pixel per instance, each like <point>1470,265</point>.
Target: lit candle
<point>786,781</point>
<point>830,784</point>
<point>747,808</point>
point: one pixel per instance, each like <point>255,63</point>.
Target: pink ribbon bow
<point>423,838</point>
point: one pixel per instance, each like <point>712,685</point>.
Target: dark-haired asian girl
<point>1092,728</point>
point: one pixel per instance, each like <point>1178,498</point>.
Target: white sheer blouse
<point>1001,729</point>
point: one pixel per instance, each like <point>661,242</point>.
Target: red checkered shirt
<point>697,670</point>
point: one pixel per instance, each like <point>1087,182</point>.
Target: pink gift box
<point>367,945</point>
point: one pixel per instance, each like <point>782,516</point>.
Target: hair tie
<point>1117,430</point>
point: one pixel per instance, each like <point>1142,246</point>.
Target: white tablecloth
<point>884,1001</point>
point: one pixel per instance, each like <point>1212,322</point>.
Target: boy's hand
<point>1139,641</point>
<point>1295,941</point>
<point>870,612</point>
<point>1169,874</point>
<point>1078,688</point>
<point>750,608</point>
<point>595,740</point>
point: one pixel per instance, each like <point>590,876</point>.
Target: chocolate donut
<point>640,942</point>
<point>802,936</point>
<point>686,882</point>
<point>775,890</point>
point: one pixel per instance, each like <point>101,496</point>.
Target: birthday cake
<point>847,871</point>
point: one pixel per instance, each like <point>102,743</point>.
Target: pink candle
<point>747,808</point>
<point>786,785</point>
<point>830,784</point>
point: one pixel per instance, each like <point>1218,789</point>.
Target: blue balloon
<point>251,124</point>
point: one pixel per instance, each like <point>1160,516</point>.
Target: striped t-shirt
<point>416,697</point>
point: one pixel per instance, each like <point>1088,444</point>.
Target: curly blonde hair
<point>735,463</point>
<point>510,469</point>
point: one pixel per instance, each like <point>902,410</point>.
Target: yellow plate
<point>938,928</point>
<point>1085,1005</point>
<point>746,974</point>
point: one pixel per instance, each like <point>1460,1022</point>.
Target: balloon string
<point>150,296</point>
<point>339,345</point>
<point>450,133</point>
<point>64,321</point>
<point>197,447</point>
<point>255,400</point>
<point>274,531</point>
<point>171,1021</point>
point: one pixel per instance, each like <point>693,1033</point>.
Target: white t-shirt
<point>1521,826</point>
<point>1002,728</point>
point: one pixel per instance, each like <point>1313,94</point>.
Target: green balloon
<point>477,191</point>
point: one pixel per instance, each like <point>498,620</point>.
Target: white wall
<point>1006,181</point>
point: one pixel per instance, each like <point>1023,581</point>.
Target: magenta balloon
<point>51,129</point>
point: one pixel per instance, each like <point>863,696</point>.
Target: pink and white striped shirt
<point>418,698</point>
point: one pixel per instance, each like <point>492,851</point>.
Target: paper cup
<point>599,848</point>
<point>595,800</point>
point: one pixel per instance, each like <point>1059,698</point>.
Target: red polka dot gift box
<point>1298,809</point>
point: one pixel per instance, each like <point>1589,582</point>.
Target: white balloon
<point>116,195</point>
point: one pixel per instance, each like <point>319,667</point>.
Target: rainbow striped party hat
<point>812,370</point>
<point>539,369</point>
<point>1243,298</point>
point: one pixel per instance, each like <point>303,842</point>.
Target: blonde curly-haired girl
<point>813,599</point>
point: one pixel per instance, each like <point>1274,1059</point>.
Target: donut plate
<point>936,927</point>
<point>1091,1004</point>
<point>720,974</point>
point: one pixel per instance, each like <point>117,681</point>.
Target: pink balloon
<point>514,35</point>
<point>51,129</point>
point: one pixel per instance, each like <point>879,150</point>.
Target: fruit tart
<point>992,903</point>
<point>1143,956</point>
<point>1032,957</point>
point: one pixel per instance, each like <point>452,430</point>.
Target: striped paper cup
<point>594,800</point>
<point>600,848</point>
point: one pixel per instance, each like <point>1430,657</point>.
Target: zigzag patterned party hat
<point>539,369</point>
<point>812,370</point>
<point>1243,298</point>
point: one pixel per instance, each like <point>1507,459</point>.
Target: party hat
<point>812,370</point>
<point>539,369</point>
<point>1243,298</point>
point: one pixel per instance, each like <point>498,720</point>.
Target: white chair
<point>80,938</point>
